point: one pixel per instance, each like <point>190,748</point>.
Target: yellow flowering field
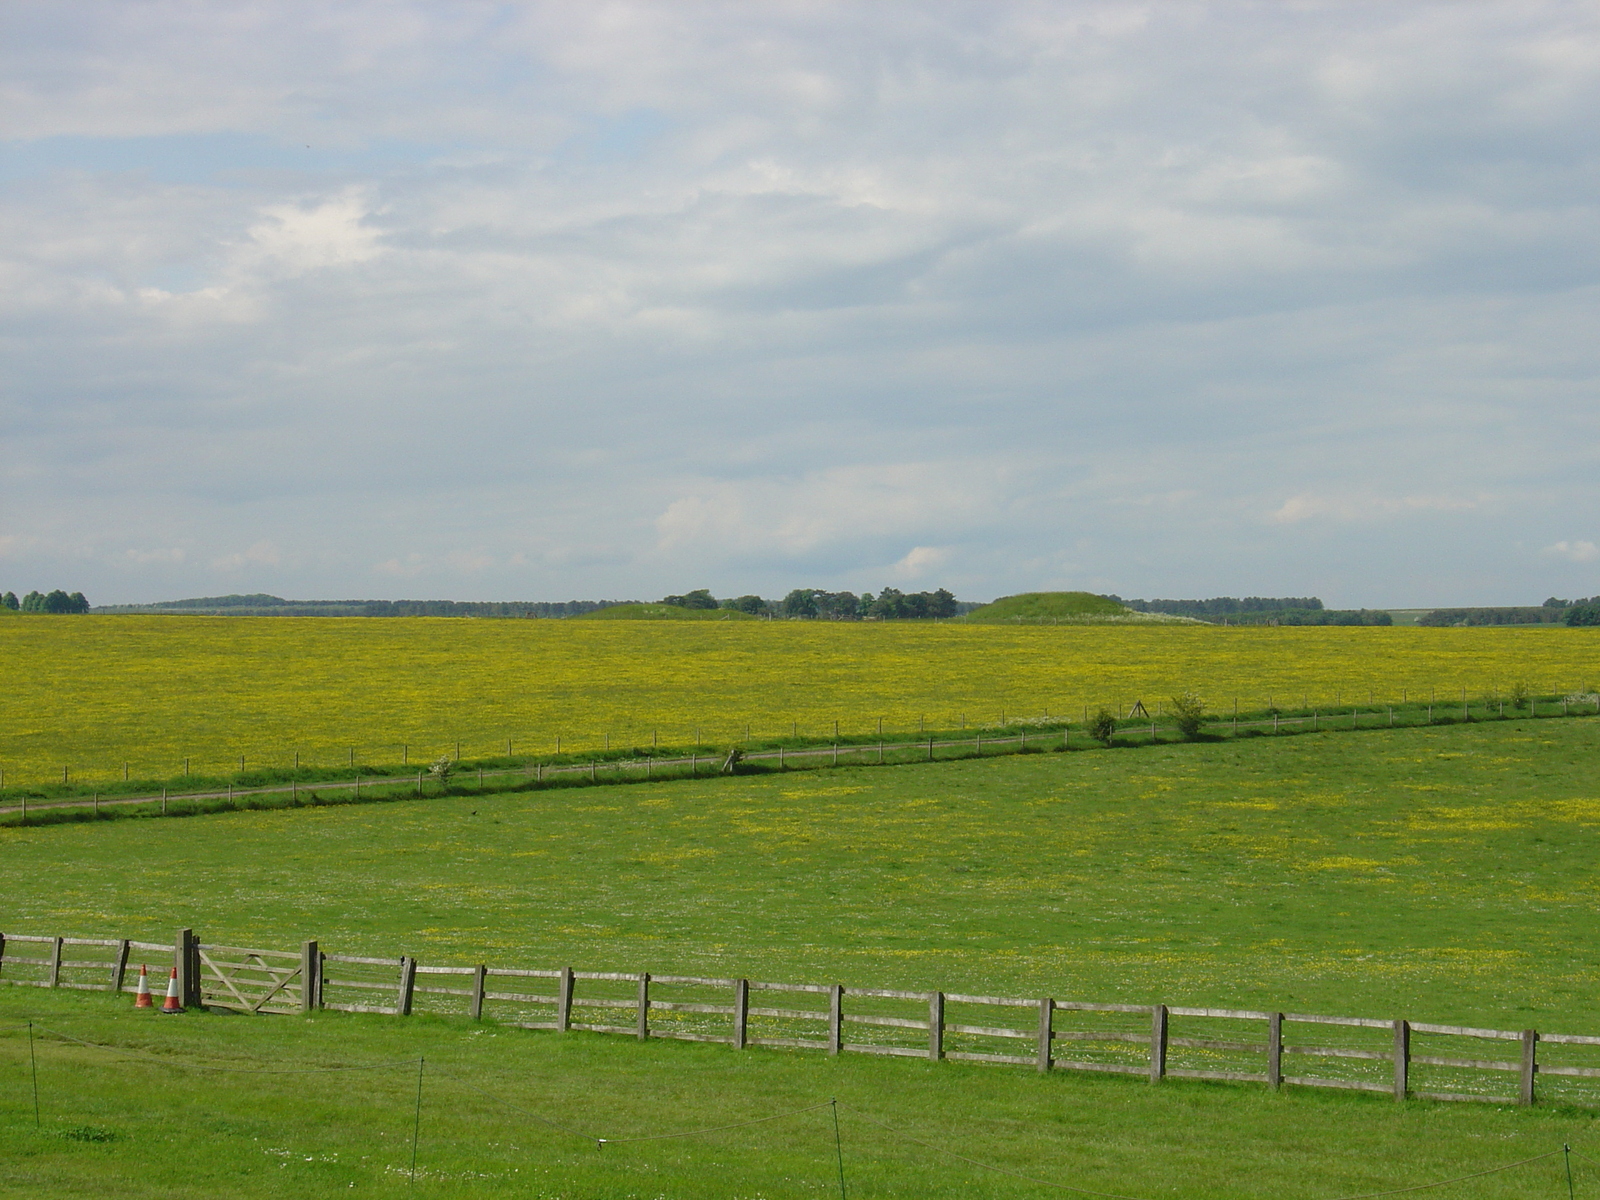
<point>92,693</point>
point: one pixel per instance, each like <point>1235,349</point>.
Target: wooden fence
<point>1399,1058</point>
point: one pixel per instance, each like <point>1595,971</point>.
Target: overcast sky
<point>544,301</point>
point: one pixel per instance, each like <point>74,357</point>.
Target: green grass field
<point>114,1123</point>
<point>1444,874</point>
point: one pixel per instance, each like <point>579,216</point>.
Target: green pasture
<point>1444,874</point>
<point>138,1114</point>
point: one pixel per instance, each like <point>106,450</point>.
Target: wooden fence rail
<point>1394,1057</point>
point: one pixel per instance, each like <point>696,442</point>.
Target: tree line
<point>890,604</point>
<point>57,601</point>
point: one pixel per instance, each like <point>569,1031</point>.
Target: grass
<point>1443,873</point>
<point>147,695</point>
<point>137,1116</point>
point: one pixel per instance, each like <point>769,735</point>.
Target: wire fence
<point>1137,726</point>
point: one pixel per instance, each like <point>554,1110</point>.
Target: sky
<point>615,300</point>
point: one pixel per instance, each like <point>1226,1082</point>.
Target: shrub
<point>1187,709</point>
<point>1104,727</point>
<point>1519,695</point>
<point>442,769</point>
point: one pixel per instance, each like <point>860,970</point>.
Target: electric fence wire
<point>194,1066</point>
<point>1120,1196</point>
<point>657,1137</point>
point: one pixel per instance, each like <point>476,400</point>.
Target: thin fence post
<point>1402,1058</point>
<point>119,969</point>
<point>936,1026</point>
<point>480,979</point>
<point>1047,1009</point>
<point>55,962</point>
<point>1275,1050</point>
<point>310,976</point>
<point>741,1013</point>
<point>564,1000</point>
<point>836,1019</point>
<point>644,1006</point>
<point>1530,1065</point>
<point>408,984</point>
<point>2,953</point>
<point>1158,1042</point>
<point>180,960</point>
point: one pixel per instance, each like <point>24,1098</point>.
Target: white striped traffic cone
<point>141,998</point>
<point>172,1004</point>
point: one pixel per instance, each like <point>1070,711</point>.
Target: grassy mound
<point>663,612</point>
<point>1033,606</point>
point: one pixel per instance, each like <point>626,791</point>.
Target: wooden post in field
<point>1402,1058</point>
<point>310,976</point>
<point>119,968</point>
<point>189,970</point>
<point>835,1019</point>
<point>936,1026</point>
<point>741,1013</point>
<point>1530,1065</point>
<point>644,1006</point>
<point>55,962</point>
<point>480,979</point>
<point>1158,1042</point>
<point>564,1000</point>
<point>1275,1050</point>
<point>1047,1008</point>
<point>408,984</point>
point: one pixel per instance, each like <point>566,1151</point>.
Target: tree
<point>1587,613</point>
<point>9,600</point>
<point>941,605</point>
<point>33,602</point>
<point>753,605</point>
<point>801,602</point>
<point>1187,709</point>
<point>699,598</point>
<point>1104,727</point>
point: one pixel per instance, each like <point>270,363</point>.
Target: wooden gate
<point>254,981</point>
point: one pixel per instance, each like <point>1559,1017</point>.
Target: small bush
<point>1187,710</point>
<point>1104,727</point>
<point>1519,695</point>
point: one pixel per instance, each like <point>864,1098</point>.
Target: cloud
<point>1200,298</point>
<point>1574,551</point>
<point>261,554</point>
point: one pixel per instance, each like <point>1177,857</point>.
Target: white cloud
<point>1573,551</point>
<point>261,554</point>
<point>1249,298</point>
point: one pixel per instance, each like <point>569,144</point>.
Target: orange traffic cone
<point>141,998</point>
<point>172,1004</point>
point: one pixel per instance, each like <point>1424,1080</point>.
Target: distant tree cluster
<point>1261,610</point>
<point>262,605</point>
<point>890,604</point>
<point>1224,606</point>
<point>39,602</point>
<point>1584,612</point>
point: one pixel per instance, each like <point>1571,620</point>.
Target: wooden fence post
<point>408,984</point>
<point>1158,1042</point>
<point>119,969</point>
<point>936,1026</point>
<point>836,1019</point>
<point>480,979</point>
<point>1530,1065</point>
<point>180,959</point>
<point>644,1005</point>
<point>1047,1008</point>
<point>741,1013</point>
<point>2,953</point>
<point>564,1000</point>
<point>310,976</point>
<point>55,962</point>
<point>1402,1058</point>
<point>1275,1050</point>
